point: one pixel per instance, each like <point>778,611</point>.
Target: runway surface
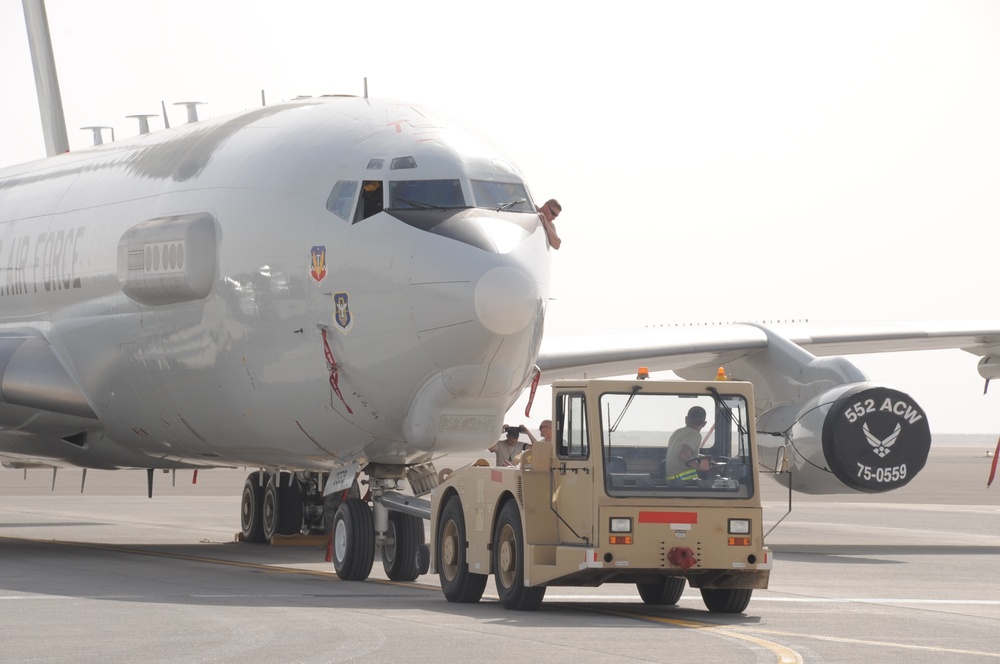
<point>111,575</point>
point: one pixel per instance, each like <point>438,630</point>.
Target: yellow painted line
<point>785,655</point>
<point>883,644</point>
<point>729,631</point>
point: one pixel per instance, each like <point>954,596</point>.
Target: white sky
<point>716,161</point>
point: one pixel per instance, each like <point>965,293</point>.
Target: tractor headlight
<point>739,526</point>
<point>621,524</point>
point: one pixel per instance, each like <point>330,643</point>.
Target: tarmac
<point>111,575</point>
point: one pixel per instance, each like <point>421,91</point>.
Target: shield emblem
<point>342,317</point>
<point>318,264</point>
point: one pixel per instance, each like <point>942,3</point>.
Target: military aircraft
<point>342,285</point>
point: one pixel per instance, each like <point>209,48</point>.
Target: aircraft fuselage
<point>296,286</point>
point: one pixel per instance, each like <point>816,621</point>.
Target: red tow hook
<point>682,557</point>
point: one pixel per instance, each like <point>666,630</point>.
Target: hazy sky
<point>716,161</point>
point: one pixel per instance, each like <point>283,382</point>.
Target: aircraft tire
<point>252,509</point>
<point>726,600</point>
<point>423,559</point>
<point>667,590</point>
<point>508,562</point>
<point>400,559</point>
<point>353,540</point>
<point>457,582</point>
<point>282,508</point>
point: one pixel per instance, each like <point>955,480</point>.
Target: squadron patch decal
<point>342,317</point>
<point>318,264</point>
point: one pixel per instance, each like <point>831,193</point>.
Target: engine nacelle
<point>989,367</point>
<point>854,437</point>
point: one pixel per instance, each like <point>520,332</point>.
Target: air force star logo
<point>881,447</point>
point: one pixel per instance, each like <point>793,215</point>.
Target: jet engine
<point>852,437</point>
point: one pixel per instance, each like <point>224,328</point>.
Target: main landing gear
<point>280,504</point>
<point>292,503</point>
<point>359,528</point>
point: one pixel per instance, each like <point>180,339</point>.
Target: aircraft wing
<point>977,337</point>
<point>680,348</point>
<point>660,349</point>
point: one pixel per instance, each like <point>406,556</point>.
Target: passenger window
<point>571,427</point>
<point>342,198</point>
<point>370,202</point>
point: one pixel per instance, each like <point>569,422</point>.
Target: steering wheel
<point>720,465</point>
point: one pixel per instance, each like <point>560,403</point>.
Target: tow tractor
<point>601,504</point>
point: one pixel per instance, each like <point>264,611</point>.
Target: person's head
<point>512,434</point>
<point>545,428</point>
<point>550,209</point>
<point>696,417</point>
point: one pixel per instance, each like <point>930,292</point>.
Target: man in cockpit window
<point>548,212</point>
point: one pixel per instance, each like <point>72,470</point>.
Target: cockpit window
<point>400,163</point>
<point>426,194</point>
<point>370,201</point>
<point>341,198</point>
<point>511,196</point>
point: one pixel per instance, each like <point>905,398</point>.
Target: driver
<point>683,462</point>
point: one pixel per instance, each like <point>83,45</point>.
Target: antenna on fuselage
<point>166,120</point>
<point>99,133</point>
<point>262,100</point>
<point>143,119</point>
<point>366,87</point>
<point>46,82</point>
<point>192,107</point>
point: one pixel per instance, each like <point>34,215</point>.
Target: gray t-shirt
<point>505,452</point>
<point>685,437</point>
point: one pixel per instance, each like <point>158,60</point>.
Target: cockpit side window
<point>511,196</point>
<point>342,198</point>
<point>370,202</point>
<point>426,195</point>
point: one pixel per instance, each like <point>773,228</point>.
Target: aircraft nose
<point>478,310</point>
<point>505,299</point>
